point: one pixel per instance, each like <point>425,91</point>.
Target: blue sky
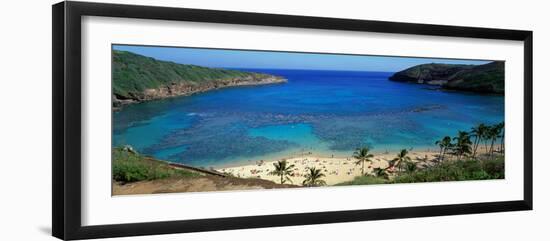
<point>283,60</point>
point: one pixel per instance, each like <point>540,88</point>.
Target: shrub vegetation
<point>129,166</point>
<point>466,164</point>
<point>447,171</point>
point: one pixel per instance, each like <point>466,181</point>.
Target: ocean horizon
<point>319,111</point>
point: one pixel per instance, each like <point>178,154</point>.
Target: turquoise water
<point>327,112</point>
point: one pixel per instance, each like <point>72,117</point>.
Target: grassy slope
<point>137,174</point>
<point>132,167</point>
<point>133,73</point>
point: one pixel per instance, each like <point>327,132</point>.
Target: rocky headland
<point>137,78</point>
<point>485,78</point>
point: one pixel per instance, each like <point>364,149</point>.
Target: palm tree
<point>313,178</point>
<point>494,133</point>
<point>283,170</point>
<point>410,166</point>
<point>501,136</point>
<point>486,138</point>
<point>362,155</point>
<point>479,132</point>
<point>444,144</point>
<point>463,144</point>
<point>380,172</point>
<point>401,157</point>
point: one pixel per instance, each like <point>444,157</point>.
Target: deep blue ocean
<point>324,112</point>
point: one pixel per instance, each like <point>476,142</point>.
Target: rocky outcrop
<point>433,74</point>
<point>486,78</point>
<point>189,88</point>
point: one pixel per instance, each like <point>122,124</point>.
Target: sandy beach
<point>337,169</point>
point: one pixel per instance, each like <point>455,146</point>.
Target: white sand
<point>335,169</point>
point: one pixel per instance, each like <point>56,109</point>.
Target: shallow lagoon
<point>325,112</point>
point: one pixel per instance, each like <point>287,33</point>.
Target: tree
<point>401,158</point>
<point>493,134</point>
<point>380,172</point>
<point>283,170</point>
<point>313,178</point>
<point>444,144</point>
<point>410,166</point>
<point>486,139</point>
<point>479,132</point>
<point>463,144</point>
<point>362,155</point>
<point>501,136</point>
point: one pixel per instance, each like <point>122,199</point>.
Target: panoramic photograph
<point>202,119</point>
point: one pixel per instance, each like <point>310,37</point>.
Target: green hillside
<point>133,74</point>
<point>428,72</point>
<point>486,78</point>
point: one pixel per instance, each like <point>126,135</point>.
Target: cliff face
<point>486,78</point>
<point>137,78</point>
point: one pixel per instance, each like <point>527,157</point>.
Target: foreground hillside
<point>134,173</point>
<point>486,78</point>
<point>138,78</point>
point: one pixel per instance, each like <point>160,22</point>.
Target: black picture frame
<point>66,75</point>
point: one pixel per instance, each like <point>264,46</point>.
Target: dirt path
<point>194,184</point>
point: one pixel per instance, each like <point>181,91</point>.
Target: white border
<point>100,208</point>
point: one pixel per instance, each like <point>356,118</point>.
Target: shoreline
<point>315,153</point>
<point>184,89</point>
<point>337,169</point>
